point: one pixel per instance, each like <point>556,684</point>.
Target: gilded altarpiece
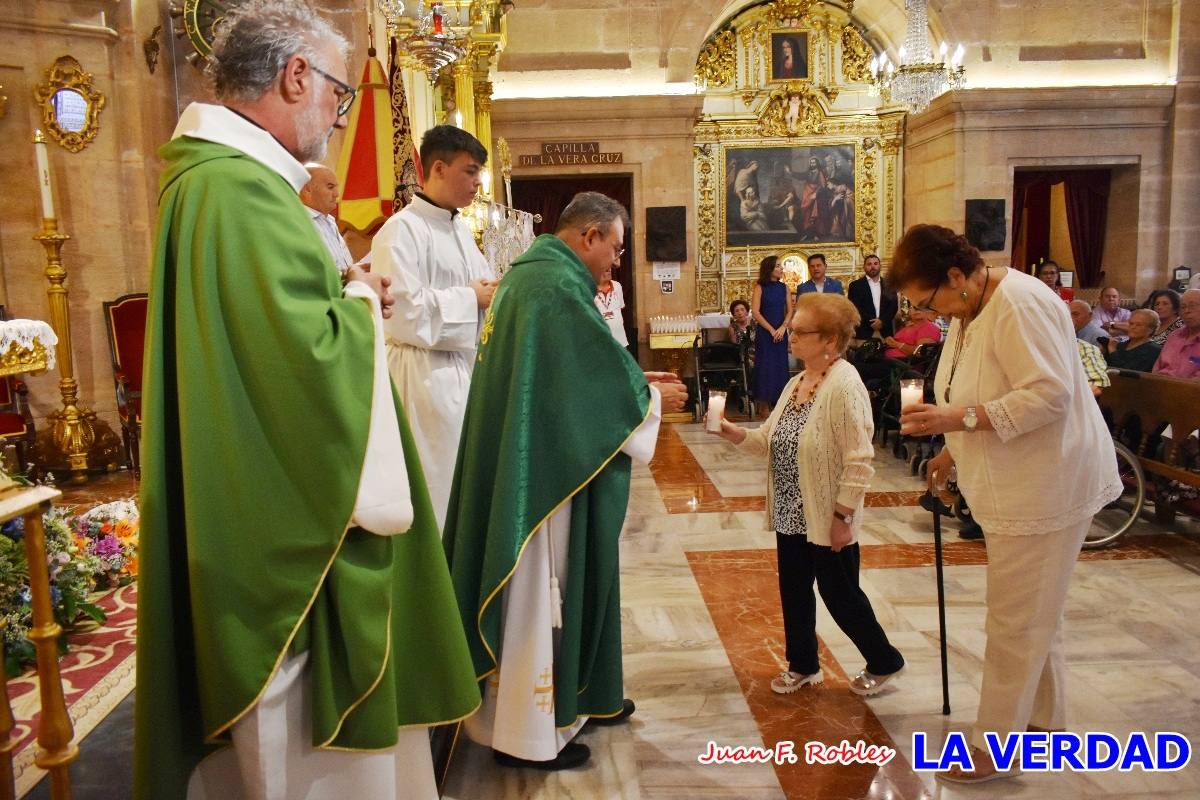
<point>791,167</point>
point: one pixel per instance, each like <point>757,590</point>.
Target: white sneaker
<point>788,682</point>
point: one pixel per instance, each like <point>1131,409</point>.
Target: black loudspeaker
<point>666,233</point>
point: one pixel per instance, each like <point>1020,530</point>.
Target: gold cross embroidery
<point>544,692</point>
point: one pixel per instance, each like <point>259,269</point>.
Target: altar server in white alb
<point>442,286</point>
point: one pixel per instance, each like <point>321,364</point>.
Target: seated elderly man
<point>1085,327</point>
<point>1139,351</point>
<point>1109,315</point>
<point>1094,366</point>
<point>1180,354</point>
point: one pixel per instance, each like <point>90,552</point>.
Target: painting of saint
<point>789,195</point>
<point>789,56</point>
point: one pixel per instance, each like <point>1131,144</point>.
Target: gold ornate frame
<point>810,41</point>
<point>722,220</point>
<point>69,75</point>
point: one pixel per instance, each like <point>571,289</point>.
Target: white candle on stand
<point>43,168</point>
<point>716,410</point>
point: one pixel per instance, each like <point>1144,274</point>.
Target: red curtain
<point>1086,193</point>
<point>1087,219</point>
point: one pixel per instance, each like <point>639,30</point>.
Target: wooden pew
<point>1138,406</point>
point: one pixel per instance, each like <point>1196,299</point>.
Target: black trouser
<point>836,575</point>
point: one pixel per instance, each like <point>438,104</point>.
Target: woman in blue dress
<point>772,308</point>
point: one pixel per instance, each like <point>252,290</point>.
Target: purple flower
<point>107,546</point>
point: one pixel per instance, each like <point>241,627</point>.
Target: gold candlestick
<point>76,439</point>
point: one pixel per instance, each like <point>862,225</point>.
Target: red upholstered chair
<point>125,319</point>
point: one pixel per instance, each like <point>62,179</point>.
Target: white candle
<point>912,392</point>
<point>716,410</point>
<point>43,168</point>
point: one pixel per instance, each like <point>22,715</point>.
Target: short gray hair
<point>257,38</point>
<point>592,210</point>
<point>1150,314</point>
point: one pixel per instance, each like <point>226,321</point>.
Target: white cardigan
<point>834,454</point>
<point>1050,462</point>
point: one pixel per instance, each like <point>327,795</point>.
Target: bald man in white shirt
<point>320,195</point>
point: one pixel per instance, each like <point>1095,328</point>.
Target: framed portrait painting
<point>789,195</point>
<point>789,55</point>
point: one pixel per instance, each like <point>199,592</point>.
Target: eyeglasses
<point>346,92</point>
<point>804,333</point>
<point>927,306</point>
<point>621,252</point>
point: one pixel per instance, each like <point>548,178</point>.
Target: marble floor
<point>703,637</point>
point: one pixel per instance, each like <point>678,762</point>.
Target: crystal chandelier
<point>918,79</point>
<point>431,40</point>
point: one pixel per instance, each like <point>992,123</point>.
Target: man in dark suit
<point>876,303</point>
<point>818,282</point>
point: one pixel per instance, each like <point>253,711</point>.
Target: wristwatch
<point>846,518</point>
<point>970,420</point>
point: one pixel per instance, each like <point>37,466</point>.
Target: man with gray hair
<point>320,195</point>
<point>558,411</point>
<point>294,600</point>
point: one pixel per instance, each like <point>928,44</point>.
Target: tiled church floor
<point>703,637</point>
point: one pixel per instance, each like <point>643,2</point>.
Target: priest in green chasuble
<point>557,413</point>
<point>297,628</point>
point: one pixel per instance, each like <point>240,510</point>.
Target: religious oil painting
<point>789,195</point>
<point>789,55</point>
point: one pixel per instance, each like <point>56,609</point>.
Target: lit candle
<point>458,118</point>
<point>748,265</point>
<point>912,392</point>
<point>43,168</point>
<point>716,411</point>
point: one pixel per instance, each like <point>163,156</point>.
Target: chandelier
<point>917,79</point>
<point>431,40</point>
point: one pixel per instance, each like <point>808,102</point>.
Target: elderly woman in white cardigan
<point>818,447</point>
<point>1033,456</point>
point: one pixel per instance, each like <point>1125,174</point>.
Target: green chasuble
<point>257,399</point>
<point>553,399</point>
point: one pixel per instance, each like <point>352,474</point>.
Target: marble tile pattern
<point>702,639</point>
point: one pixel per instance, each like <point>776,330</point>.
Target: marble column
<point>1184,243</point>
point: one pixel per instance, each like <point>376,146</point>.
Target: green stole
<point>256,404</point>
<point>553,399</point>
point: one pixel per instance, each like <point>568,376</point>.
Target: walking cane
<point>934,504</point>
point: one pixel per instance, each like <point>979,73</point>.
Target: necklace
<point>962,333</point>
<point>813,391</point>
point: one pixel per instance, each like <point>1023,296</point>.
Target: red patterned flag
<point>404,150</point>
<point>365,165</point>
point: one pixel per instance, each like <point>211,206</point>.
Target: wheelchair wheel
<point>914,462</point>
<point>1117,517</point>
<point>923,468</point>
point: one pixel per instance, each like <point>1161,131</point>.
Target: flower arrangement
<point>109,533</point>
<point>97,549</point>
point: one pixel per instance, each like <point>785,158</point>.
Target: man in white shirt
<point>442,285</point>
<point>876,305</point>
<point>320,195</point>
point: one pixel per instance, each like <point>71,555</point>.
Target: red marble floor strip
<point>686,488</point>
<point>741,591</point>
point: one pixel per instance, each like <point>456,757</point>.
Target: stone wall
<point>655,135</point>
<point>968,144</point>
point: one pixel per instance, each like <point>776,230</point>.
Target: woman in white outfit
<point>1032,453</point>
<point>817,442</point>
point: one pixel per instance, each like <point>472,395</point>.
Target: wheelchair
<point>721,365</point>
<point>882,378</point>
